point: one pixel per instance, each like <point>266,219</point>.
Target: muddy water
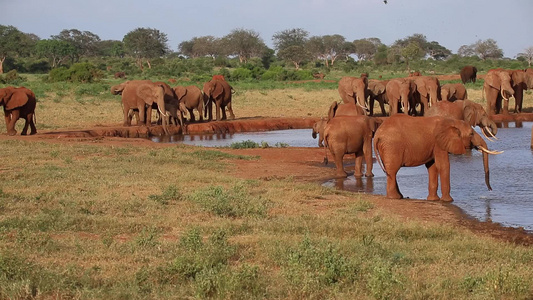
<point>509,203</point>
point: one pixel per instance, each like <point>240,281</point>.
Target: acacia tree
<point>527,55</point>
<point>290,45</point>
<point>366,49</point>
<point>11,43</point>
<point>487,49</point>
<point>201,46</point>
<point>244,43</point>
<point>145,44</point>
<point>85,42</point>
<point>56,51</point>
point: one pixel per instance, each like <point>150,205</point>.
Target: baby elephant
<point>351,135</point>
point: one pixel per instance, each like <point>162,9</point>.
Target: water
<point>509,203</point>
<point>291,137</point>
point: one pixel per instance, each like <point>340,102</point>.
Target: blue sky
<point>452,23</point>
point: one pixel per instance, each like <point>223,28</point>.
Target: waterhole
<point>510,203</point>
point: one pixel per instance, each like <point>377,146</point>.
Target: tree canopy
<point>145,44</point>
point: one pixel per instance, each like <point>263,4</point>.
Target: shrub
<point>241,74</point>
<point>80,72</point>
<point>12,77</point>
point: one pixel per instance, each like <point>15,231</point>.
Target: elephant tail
<point>378,156</point>
<point>326,146</point>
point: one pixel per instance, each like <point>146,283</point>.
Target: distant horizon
<point>451,23</point>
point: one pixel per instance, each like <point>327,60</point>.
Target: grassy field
<point>99,221</point>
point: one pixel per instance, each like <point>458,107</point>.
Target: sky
<point>452,23</point>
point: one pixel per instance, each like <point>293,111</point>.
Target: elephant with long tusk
<point>469,111</point>
<point>406,141</point>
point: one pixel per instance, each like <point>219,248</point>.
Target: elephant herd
<point>139,97</point>
<point>442,125</point>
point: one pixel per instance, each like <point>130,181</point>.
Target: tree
<point>316,47</point>
<point>365,49</point>
<point>145,44</point>
<point>411,52</point>
<point>466,51</point>
<point>487,49</point>
<point>56,51</point>
<point>290,45</point>
<point>11,43</point>
<point>244,43</point>
<point>527,55</point>
<point>111,48</point>
<point>85,42</point>
<point>200,47</point>
<point>437,51</point>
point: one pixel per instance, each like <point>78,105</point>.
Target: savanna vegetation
<point>127,219</point>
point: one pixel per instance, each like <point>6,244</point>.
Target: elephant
<point>466,110</point>
<point>19,103</point>
<point>468,74</point>
<point>218,77</point>
<point>318,130</point>
<point>400,90</point>
<point>497,86</point>
<point>377,91</point>
<point>344,109</point>
<point>191,98</point>
<point>427,93</point>
<point>351,135</point>
<point>407,141</point>
<point>520,80</point>
<point>219,92</point>
<point>353,90</point>
<point>453,91</point>
<point>141,95</point>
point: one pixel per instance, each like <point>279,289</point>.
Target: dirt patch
<point>301,164</point>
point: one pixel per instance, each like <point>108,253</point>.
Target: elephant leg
<point>338,163</point>
<point>230,110</point>
<point>26,125</point>
<point>142,115</point>
<point>518,97</point>
<point>148,113</point>
<point>33,129</point>
<point>371,105</point>
<point>358,165</point>
<point>433,182</point>
<point>127,119</point>
<point>393,192</point>
<point>13,119</point>
<point>367,152</point>
<point>382,105</point>
<point>192,118</point>
<point>443,169</point>
<point>223,111</point>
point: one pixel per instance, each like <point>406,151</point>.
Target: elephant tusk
<point>162,113</point>
<point>489,151</point>
<point>490,132</point>
<point>486,136</point>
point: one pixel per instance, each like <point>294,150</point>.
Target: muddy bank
<point>232,126</point>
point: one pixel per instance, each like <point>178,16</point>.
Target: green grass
<point>94,221</point>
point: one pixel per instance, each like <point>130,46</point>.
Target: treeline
<point>240,55</point>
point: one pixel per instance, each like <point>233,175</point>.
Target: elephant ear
<point>217,90</point>
<point>332,110</point>
<point>18,98</point>
<point>493,79</point>
<point>471,114</point>
<point>180,91</point>
<point>146,92</point>
<point>448,137</point>
<point>421,86</point>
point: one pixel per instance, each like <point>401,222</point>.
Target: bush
<point>79,72</point>
<point>241,74</point>
<point>12,77</point>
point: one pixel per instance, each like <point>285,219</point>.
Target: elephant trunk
<point>481,145</point>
